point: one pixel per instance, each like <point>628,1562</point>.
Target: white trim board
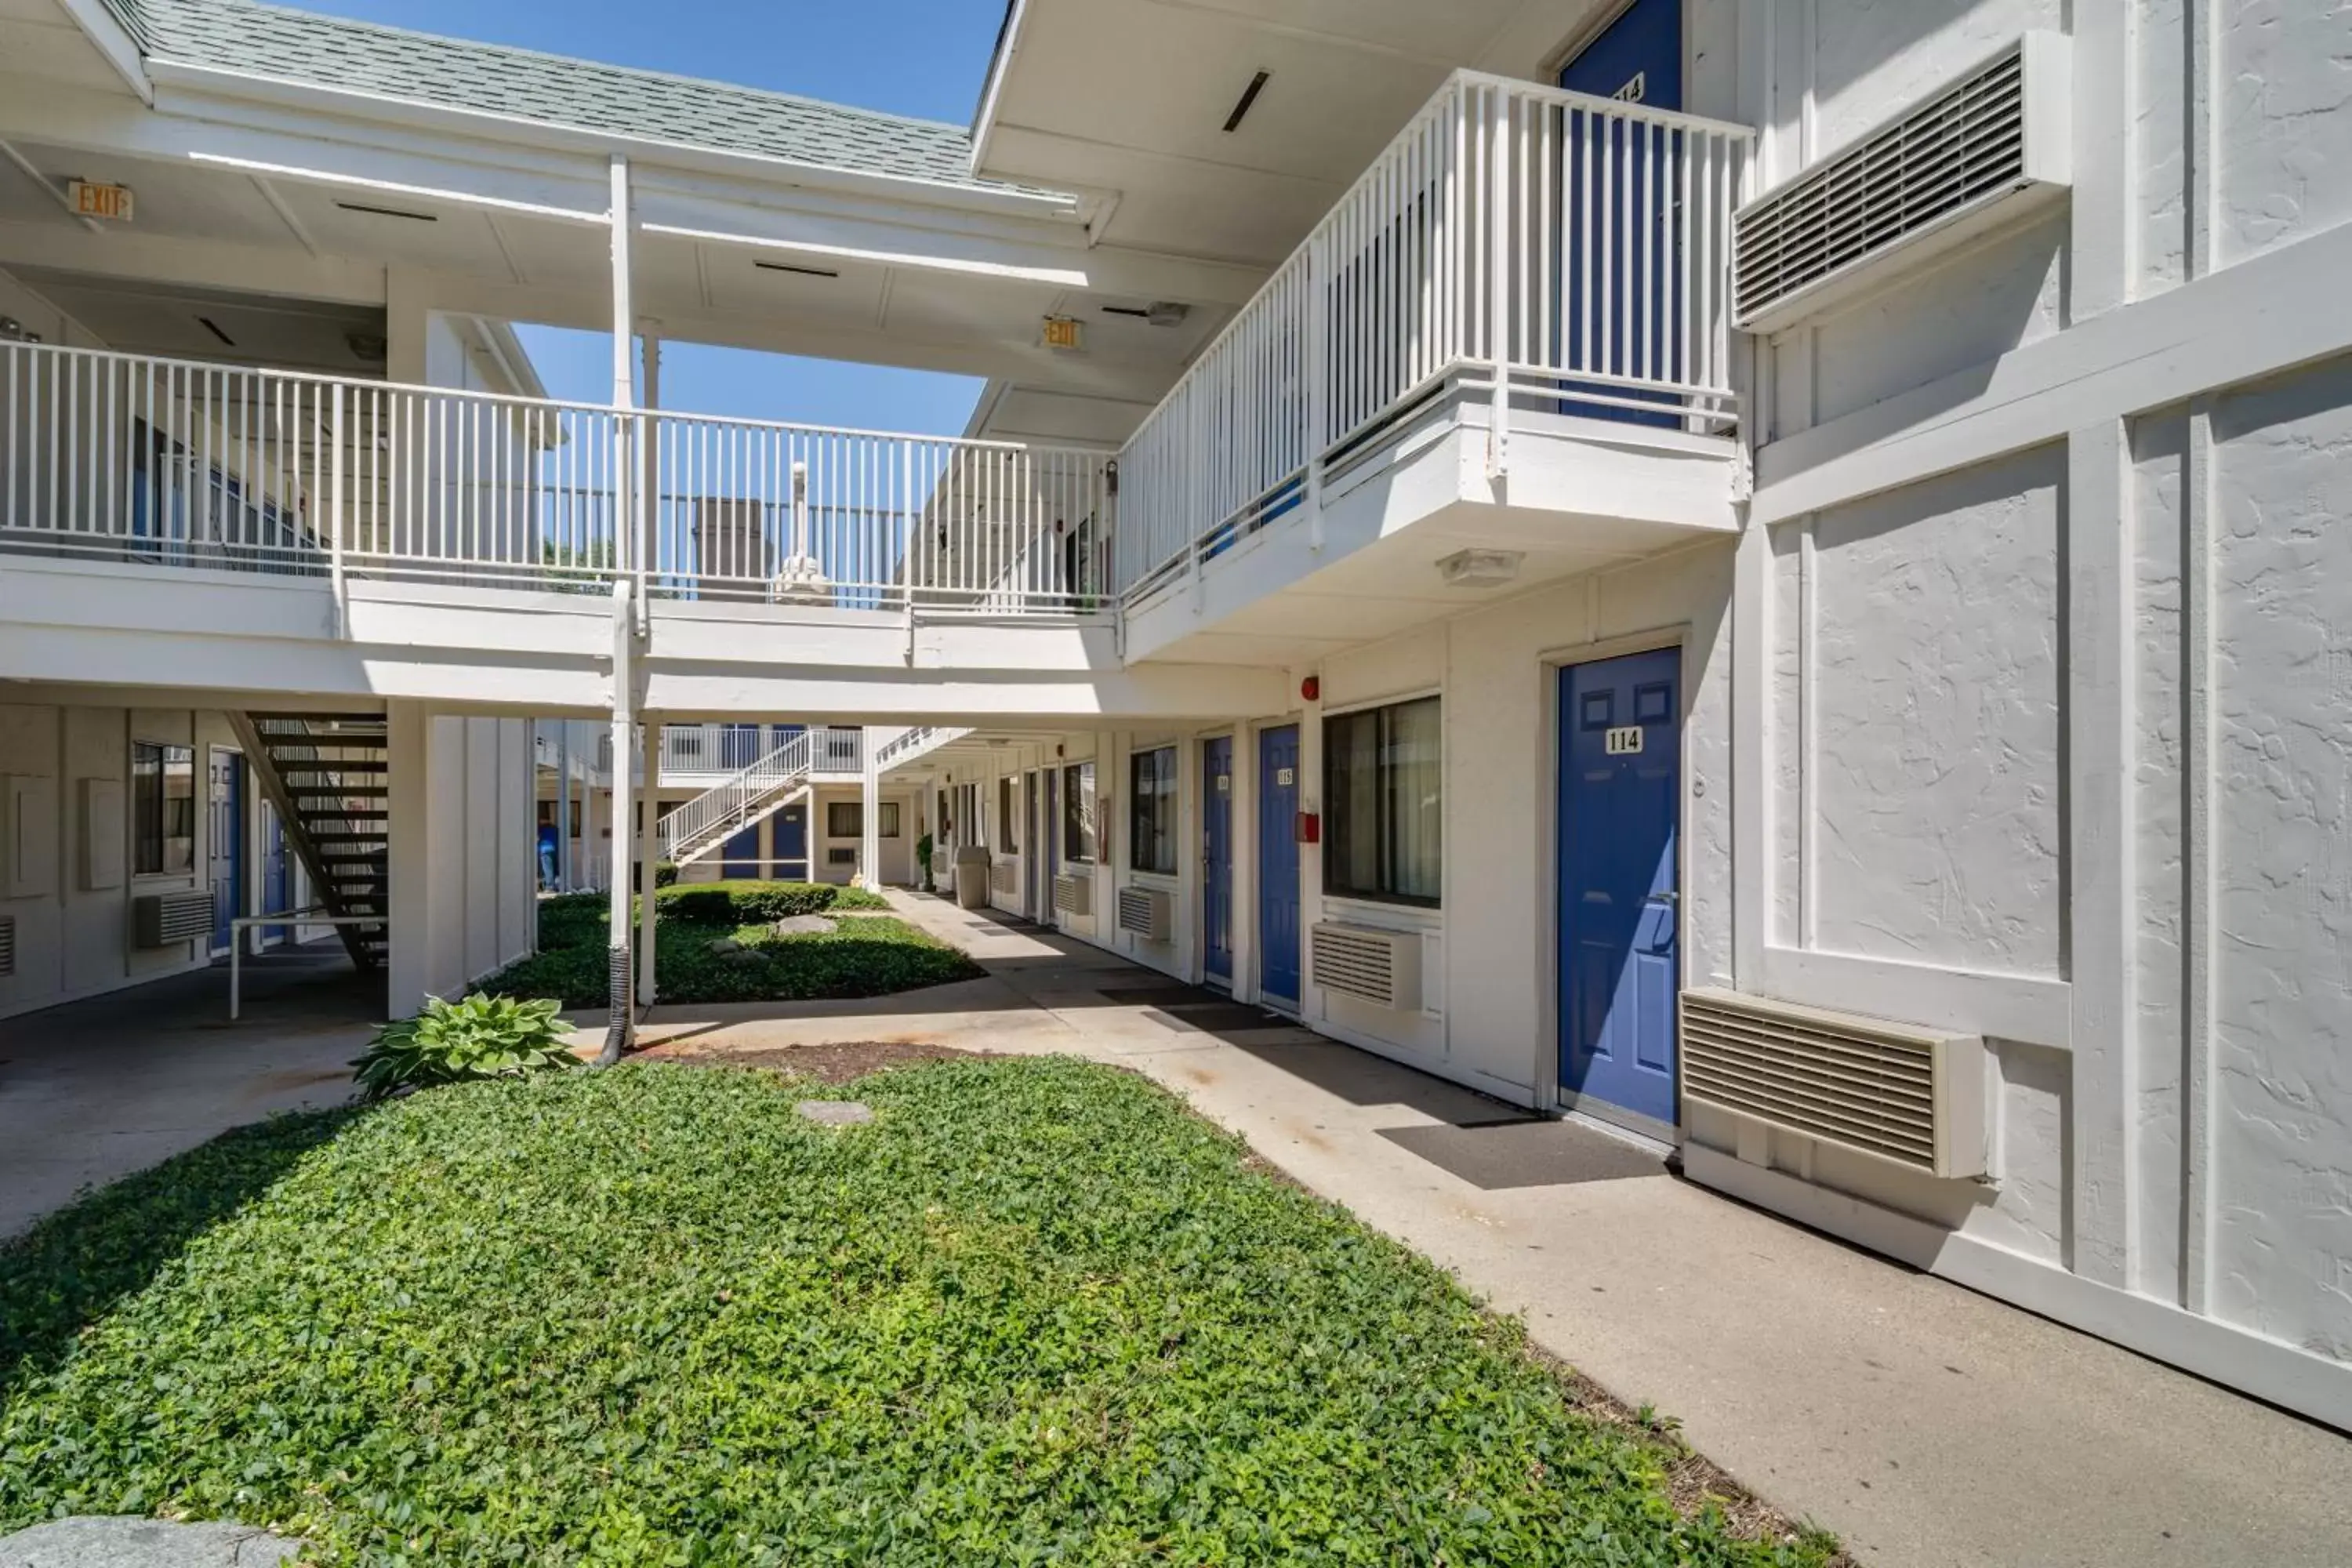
<point>2236,1358</point>
<point>2007,1007</point>
<point>2271,314</point>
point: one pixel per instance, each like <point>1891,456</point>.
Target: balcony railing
<point>169,462</point>
<point>688,749</point>
<point>1559,253</point>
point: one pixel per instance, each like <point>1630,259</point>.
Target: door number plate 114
<point>1622,740</point>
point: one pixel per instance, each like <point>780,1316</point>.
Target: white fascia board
<point>377,107</point>
<point>106,35</point>
<point>1000,67</point>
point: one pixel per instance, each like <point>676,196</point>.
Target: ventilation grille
<point>1912,1096</point>
<point>1950,167</point>
<point>1074,895</point>
<point>1381,967</point>
<point>159,920</point>
<point>8,945</point>
<point>1005,877</point>
<point>1143,912</point>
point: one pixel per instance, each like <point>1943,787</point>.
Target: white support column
<point>649,431</point>
<point>870,846</point>
<point>564,806</point>
<point>1498,300</point>
<point>648,857</point>
<point>408,799</point>
<point>620,1027</point>
<point>628,451</point>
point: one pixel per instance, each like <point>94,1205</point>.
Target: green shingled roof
<point>454,73</point>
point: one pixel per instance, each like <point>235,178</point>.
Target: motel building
<point>1771,577</point>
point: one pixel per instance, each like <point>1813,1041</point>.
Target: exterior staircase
<point>908,745</point>
<point>747,796</point>
<point>329,775</point>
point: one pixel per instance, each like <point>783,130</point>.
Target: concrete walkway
<point>1925,1425</point>
<point>94,1091</point>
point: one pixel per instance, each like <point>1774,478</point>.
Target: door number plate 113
<point>1624,740</point>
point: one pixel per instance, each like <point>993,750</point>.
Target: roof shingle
<point>524,84</point>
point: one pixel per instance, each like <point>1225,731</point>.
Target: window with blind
<point>1151,806</point>
<point>1383,809</point>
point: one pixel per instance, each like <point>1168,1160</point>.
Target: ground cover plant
<point>715,943</point>
<point>1034,1312</point>
<point>479,1037</point>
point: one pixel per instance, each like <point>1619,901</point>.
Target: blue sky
<point>923,57</point>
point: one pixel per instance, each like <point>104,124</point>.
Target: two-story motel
<point>1772,575</point>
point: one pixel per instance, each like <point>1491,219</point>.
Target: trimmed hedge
<point>1034,1313</point>
<point>867,956</point>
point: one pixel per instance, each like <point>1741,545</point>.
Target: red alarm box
<point>1311,827</point>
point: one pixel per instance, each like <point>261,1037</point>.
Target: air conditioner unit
<point>159,920</point>
<point>1005,877</point>
<point>8,945</point>
<point>1977,155</point>
<point>1144,912</point>
<point>1898,1092</point>
<point>1367,963</point>
<point>1074,895</point>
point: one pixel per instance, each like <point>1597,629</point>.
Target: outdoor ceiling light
<point>803,271</point>
<point>387,212</point>
<point>1249,96</point>
<point>1480,568</point>
<point>1160,312</point>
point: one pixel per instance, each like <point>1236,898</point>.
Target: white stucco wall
<point>465,850</point>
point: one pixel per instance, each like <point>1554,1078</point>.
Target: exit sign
<point>91,199</point>
<point>1061,332</point>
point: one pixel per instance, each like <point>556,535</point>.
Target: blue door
<point>739,746</point>
<point>740,856</point>
<point>227,839</point>
<point>1619,759</point>
<point>1277,863</point>
<point>1615,315</point>
<point>277,875</point>
<point>790,831</point>
<point>1217,858</point>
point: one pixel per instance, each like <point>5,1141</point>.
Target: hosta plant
<point>454,1042</point>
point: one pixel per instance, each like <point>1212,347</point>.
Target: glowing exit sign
<point>91,199</point>
<point>1061,332</point>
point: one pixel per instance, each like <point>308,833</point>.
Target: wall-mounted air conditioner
<point>1977,155</point>
<point>1074,895</point>
<point>1143,912</point>
<point>183,914</point>
<point>8,945</point>
<point>1894,1092</point>
<point>1367,963</point>
<point>1005,877</point>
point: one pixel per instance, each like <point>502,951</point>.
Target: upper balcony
<point>1511,335</point>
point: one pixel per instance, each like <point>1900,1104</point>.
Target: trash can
<point>971,877</point>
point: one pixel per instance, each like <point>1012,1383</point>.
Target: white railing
<point>703,823</point>
<point>723,748</point>
<point>1559,253</point>
<point>794,514</point>
<point>130,457</point>
<point>908,744</point>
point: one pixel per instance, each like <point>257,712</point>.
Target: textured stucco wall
<point>2283,103</point>
<point>1873,56</point>
<point>1937,684</point>
<point>2282,1065</point>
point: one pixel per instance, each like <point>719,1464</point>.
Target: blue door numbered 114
<point>1619,764</point>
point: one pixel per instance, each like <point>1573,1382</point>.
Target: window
<point>1381,785</point>
<point>846,820</point>
<point>1152,804</point>
<point>163,809</point>
<point>1007,839</point>
<point>1078,811</point>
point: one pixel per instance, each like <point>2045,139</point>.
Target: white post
<point>650,511</point>
<point>649,858</point>
<point>335,515</point>
<point>1499,293</point>
<point>621,1020</point>
<point>870,848</point>
<point>623,217</point>
<point>564,807</point>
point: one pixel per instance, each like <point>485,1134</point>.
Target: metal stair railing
<point>706,821</point>
<point>909,745</point>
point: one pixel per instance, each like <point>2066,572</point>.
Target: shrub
<point>665,873</point>
<point>454,1042</point>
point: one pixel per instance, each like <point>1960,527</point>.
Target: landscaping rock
<point>803,925</point>
<point>835,1112</point>
<point>131,1542</point>
<point>743,956</point>
<point>724,945</point>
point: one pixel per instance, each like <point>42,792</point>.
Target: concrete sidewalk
<point>94,1091</point>
<point>1925,1425</point>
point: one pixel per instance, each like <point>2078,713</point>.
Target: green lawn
<point>1034,1313</point>
<point>867,955</point>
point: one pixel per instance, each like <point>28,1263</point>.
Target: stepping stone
<point>128,1541</point>
<point>803,925</point>
<point>828,1113</point>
